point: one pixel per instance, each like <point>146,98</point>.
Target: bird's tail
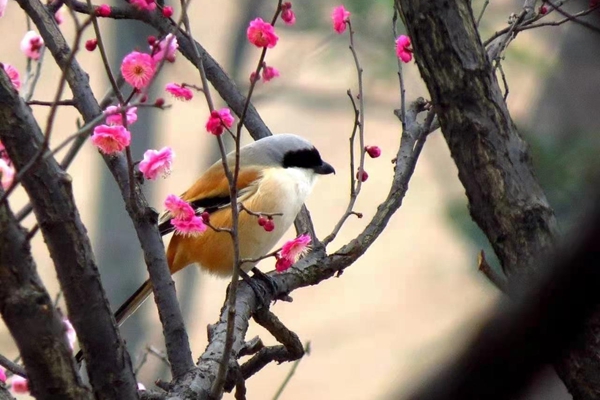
<point>133,302</point>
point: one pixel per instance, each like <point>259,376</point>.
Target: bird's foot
<point>259,291</point>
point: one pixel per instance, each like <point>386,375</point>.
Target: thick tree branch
<point>32,319</point>
<point>493,161</point>
<point>50,192</point>
<point>143,217</point>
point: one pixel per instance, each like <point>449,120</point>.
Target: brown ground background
<point>404,308</point>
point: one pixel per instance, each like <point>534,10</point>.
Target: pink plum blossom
<point>261,34</point>
<point>189,227</point>
<point>32,44</point>
<point>7,173</point>
<point>147,5</point>
<point>179,209</point>
<point>373,151</point>
<point>340,16</point>
<point>19,385</point>
<point>219,120</point>
<point>111,139</point>
<point>269,73</point>
<point>287,15</point>
<point>13,74</point>
<point>179,92</point>
<point>157,162</point>
<point>403,50</point>
<point>115,117</point>
<point>291,251</point>
<point>166,48</point>
<point>138,69</point>
<point>103,10</point>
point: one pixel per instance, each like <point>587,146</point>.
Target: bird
<point>276,175</point>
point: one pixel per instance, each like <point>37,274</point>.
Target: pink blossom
<point>166,48</point>
<point>91,44</point>
<point>157,163</point>
<point>340,16</point>
<point>3,4</point>
<point>373,151</point>
<point>111,139</point>
<point>362,175</point>
<point>261,34</point>
<point>180,92</point>
<point>19,385</point>
<point>103,10</point>
<point>70,331</point>
<point>59,16</point>
<point>254,77</point>
<point>2,374</point>
<point>287,15</point>
<point>219,120</point>
<point>13,74</point>
<point>148,5</point>
<point>188,227</point>
<point>115,117</point>
<point>291,251</point>
<point>403,50</point>
<point>167,11</point>
<point>7,173</point>
<point>138,69</point>
<point>269,73</point>
<point>32,45</point>
<point>179,209</point>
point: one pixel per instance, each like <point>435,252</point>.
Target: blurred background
<point>416,297</point>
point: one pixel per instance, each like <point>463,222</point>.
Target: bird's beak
<point>324,169</point>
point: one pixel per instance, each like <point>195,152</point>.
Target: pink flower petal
<point>180,92</point>
<point>189,227</point>
<point>340,16</point>
<point>32,45</point>
<point>138,69</point>
<point>179,209</point>
<point>261,34</point>
<point>157,163</point>
<point>111,139</point>
<point>219,120</point>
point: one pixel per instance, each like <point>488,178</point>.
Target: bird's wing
<point>211,193</point>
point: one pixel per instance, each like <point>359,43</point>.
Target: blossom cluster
<point>184,218</point>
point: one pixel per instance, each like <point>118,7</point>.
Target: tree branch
<point>32,319</point>
<point>143,217</point>
<point>50,192</point>
<point>493,161</point>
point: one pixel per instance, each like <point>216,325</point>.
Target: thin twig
<point>50,103</point>
<point>291,373</point>
<point>359,125</point>
<point>51,116</point>
<point>485,4</point>
<point>12,366</point>
<point>28,94</point>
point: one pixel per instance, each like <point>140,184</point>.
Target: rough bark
<point>50,192</point>
<point>142,216</point>
<point>32,320</point>
<point>493,161</point>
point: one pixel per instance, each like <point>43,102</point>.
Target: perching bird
<point>276,175</point>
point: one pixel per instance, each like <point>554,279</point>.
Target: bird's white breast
<point>279,191</point>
